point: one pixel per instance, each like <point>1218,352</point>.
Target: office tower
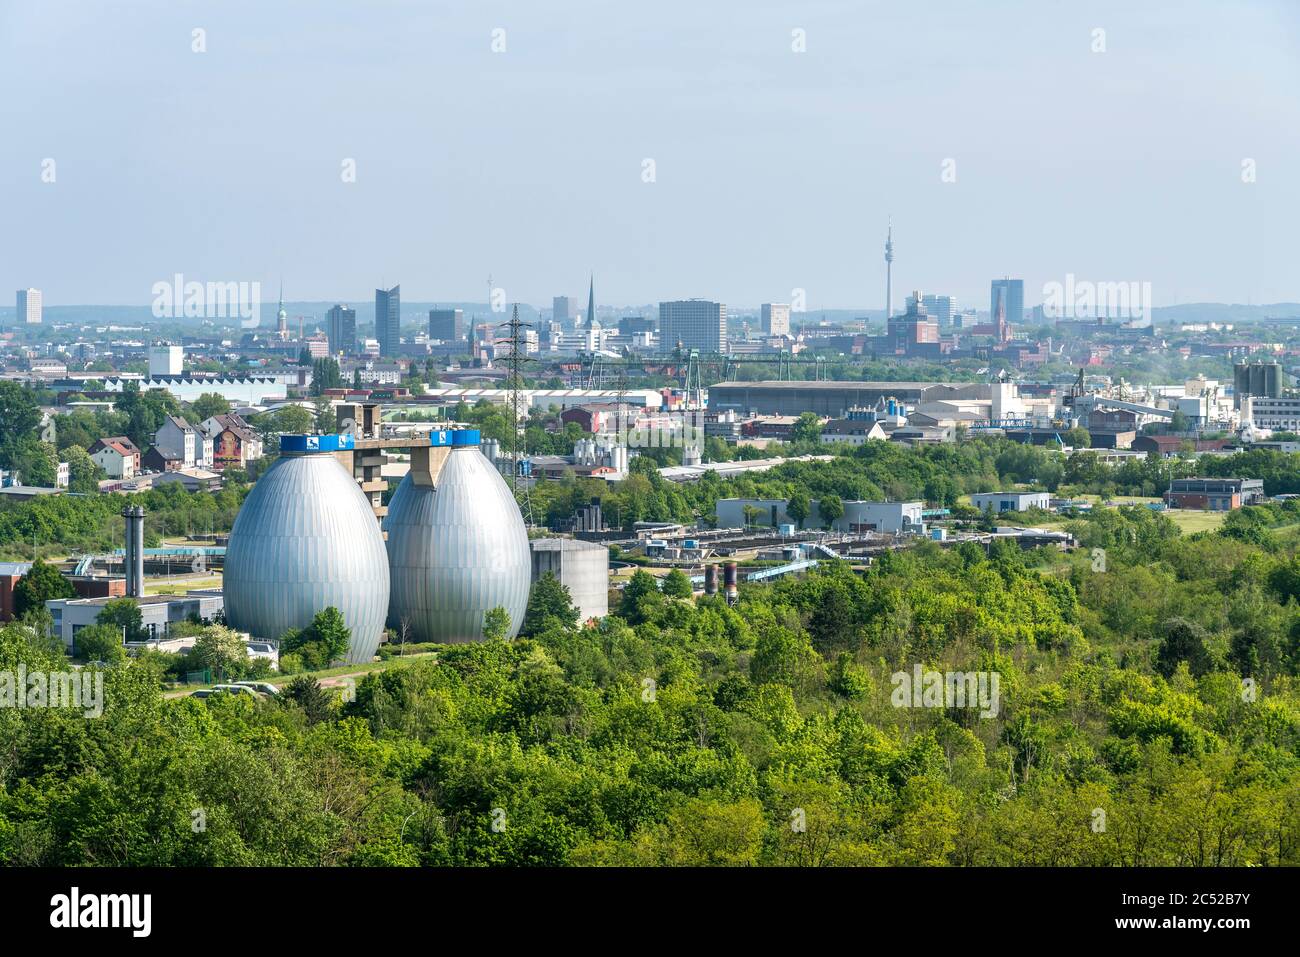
<point>29,307</point>
<point>562,310</point>
<point>447,325</point>
<point>942,309</point>
<point>341,327</point>
<point>889,271</point>
<point>388,320</point>
<point>695,323</point>
<point>775,319</point>
<point>1012,294</point>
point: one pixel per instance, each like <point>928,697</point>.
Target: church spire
<point>591,301</point>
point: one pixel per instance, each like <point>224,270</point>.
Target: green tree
<point>83,474</point>
<point>831,508</point>
<point>1077,437</point>
<point>641,599</point>
<point>496,624</point>
<point>20,414</point>
<point>677,585</point>
<point>1183,641</point>
<point>807,429</point>
<point>207,405</point>
<point>125,616</point>
<point>42,583</point>
<point>308,694</point>
<point>799,507</point>
<point>331,631</point>
<point>221,650</point>
<point>549,604</point>
<point>99,642</point>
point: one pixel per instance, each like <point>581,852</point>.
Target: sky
<point>1002,137</point>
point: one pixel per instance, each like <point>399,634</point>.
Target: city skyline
<point>796,133</point>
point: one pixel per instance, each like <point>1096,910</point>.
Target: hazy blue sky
<point>774,169</point>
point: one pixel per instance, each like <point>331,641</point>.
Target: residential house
<point>179,440</point>
<point>117,455</point>
<point>234,443</point>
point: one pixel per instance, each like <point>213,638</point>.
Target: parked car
<point>265,650</point>
<point>235,689</point>
<point>264,687</point>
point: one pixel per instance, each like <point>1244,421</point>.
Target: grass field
<point>1196,521</point>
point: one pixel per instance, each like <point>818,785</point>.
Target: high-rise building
<point>941,309</point>
<point>775,318</point>
<point>29,307</point>
<point>341,327</point>
<point>447,325</point>
<point>695,323</point>
<point>388,320</point>
<point>563,310</point>
<point>1011,292</point>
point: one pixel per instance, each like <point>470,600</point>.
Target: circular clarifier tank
<point>306,539</point>
<point>457,548</point>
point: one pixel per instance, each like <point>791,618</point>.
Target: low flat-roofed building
<point>1011,501</point>
<point>1214,494</point>
<point>158,612</point>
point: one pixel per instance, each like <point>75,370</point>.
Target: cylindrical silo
<point>710,579</point>
<point>457,547</point>
<point>306,539</point>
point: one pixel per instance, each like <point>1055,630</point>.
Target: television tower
<point>889,271</point>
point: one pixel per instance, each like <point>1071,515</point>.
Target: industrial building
<point>457,547</point>
<point>157,612</point>
<point>305,540</point>
<point>834,399</point>
<point>888,518</point>
<point>10,574</point>
<point>1276,413</point>
<point>1262,379</point>
<point>1011,501</point>
<point>1214,494</point>
<point>581,567</point>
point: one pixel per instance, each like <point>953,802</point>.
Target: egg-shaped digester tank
<point>457,546</point>
<point>304,540</point>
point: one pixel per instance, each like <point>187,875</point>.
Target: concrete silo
<point>457,546</point>
<point>582,567</point>
<point>306,539</point>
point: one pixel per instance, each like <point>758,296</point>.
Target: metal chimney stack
<point>710,579</point>
<point>729,583</point>
<point>133,564</point>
